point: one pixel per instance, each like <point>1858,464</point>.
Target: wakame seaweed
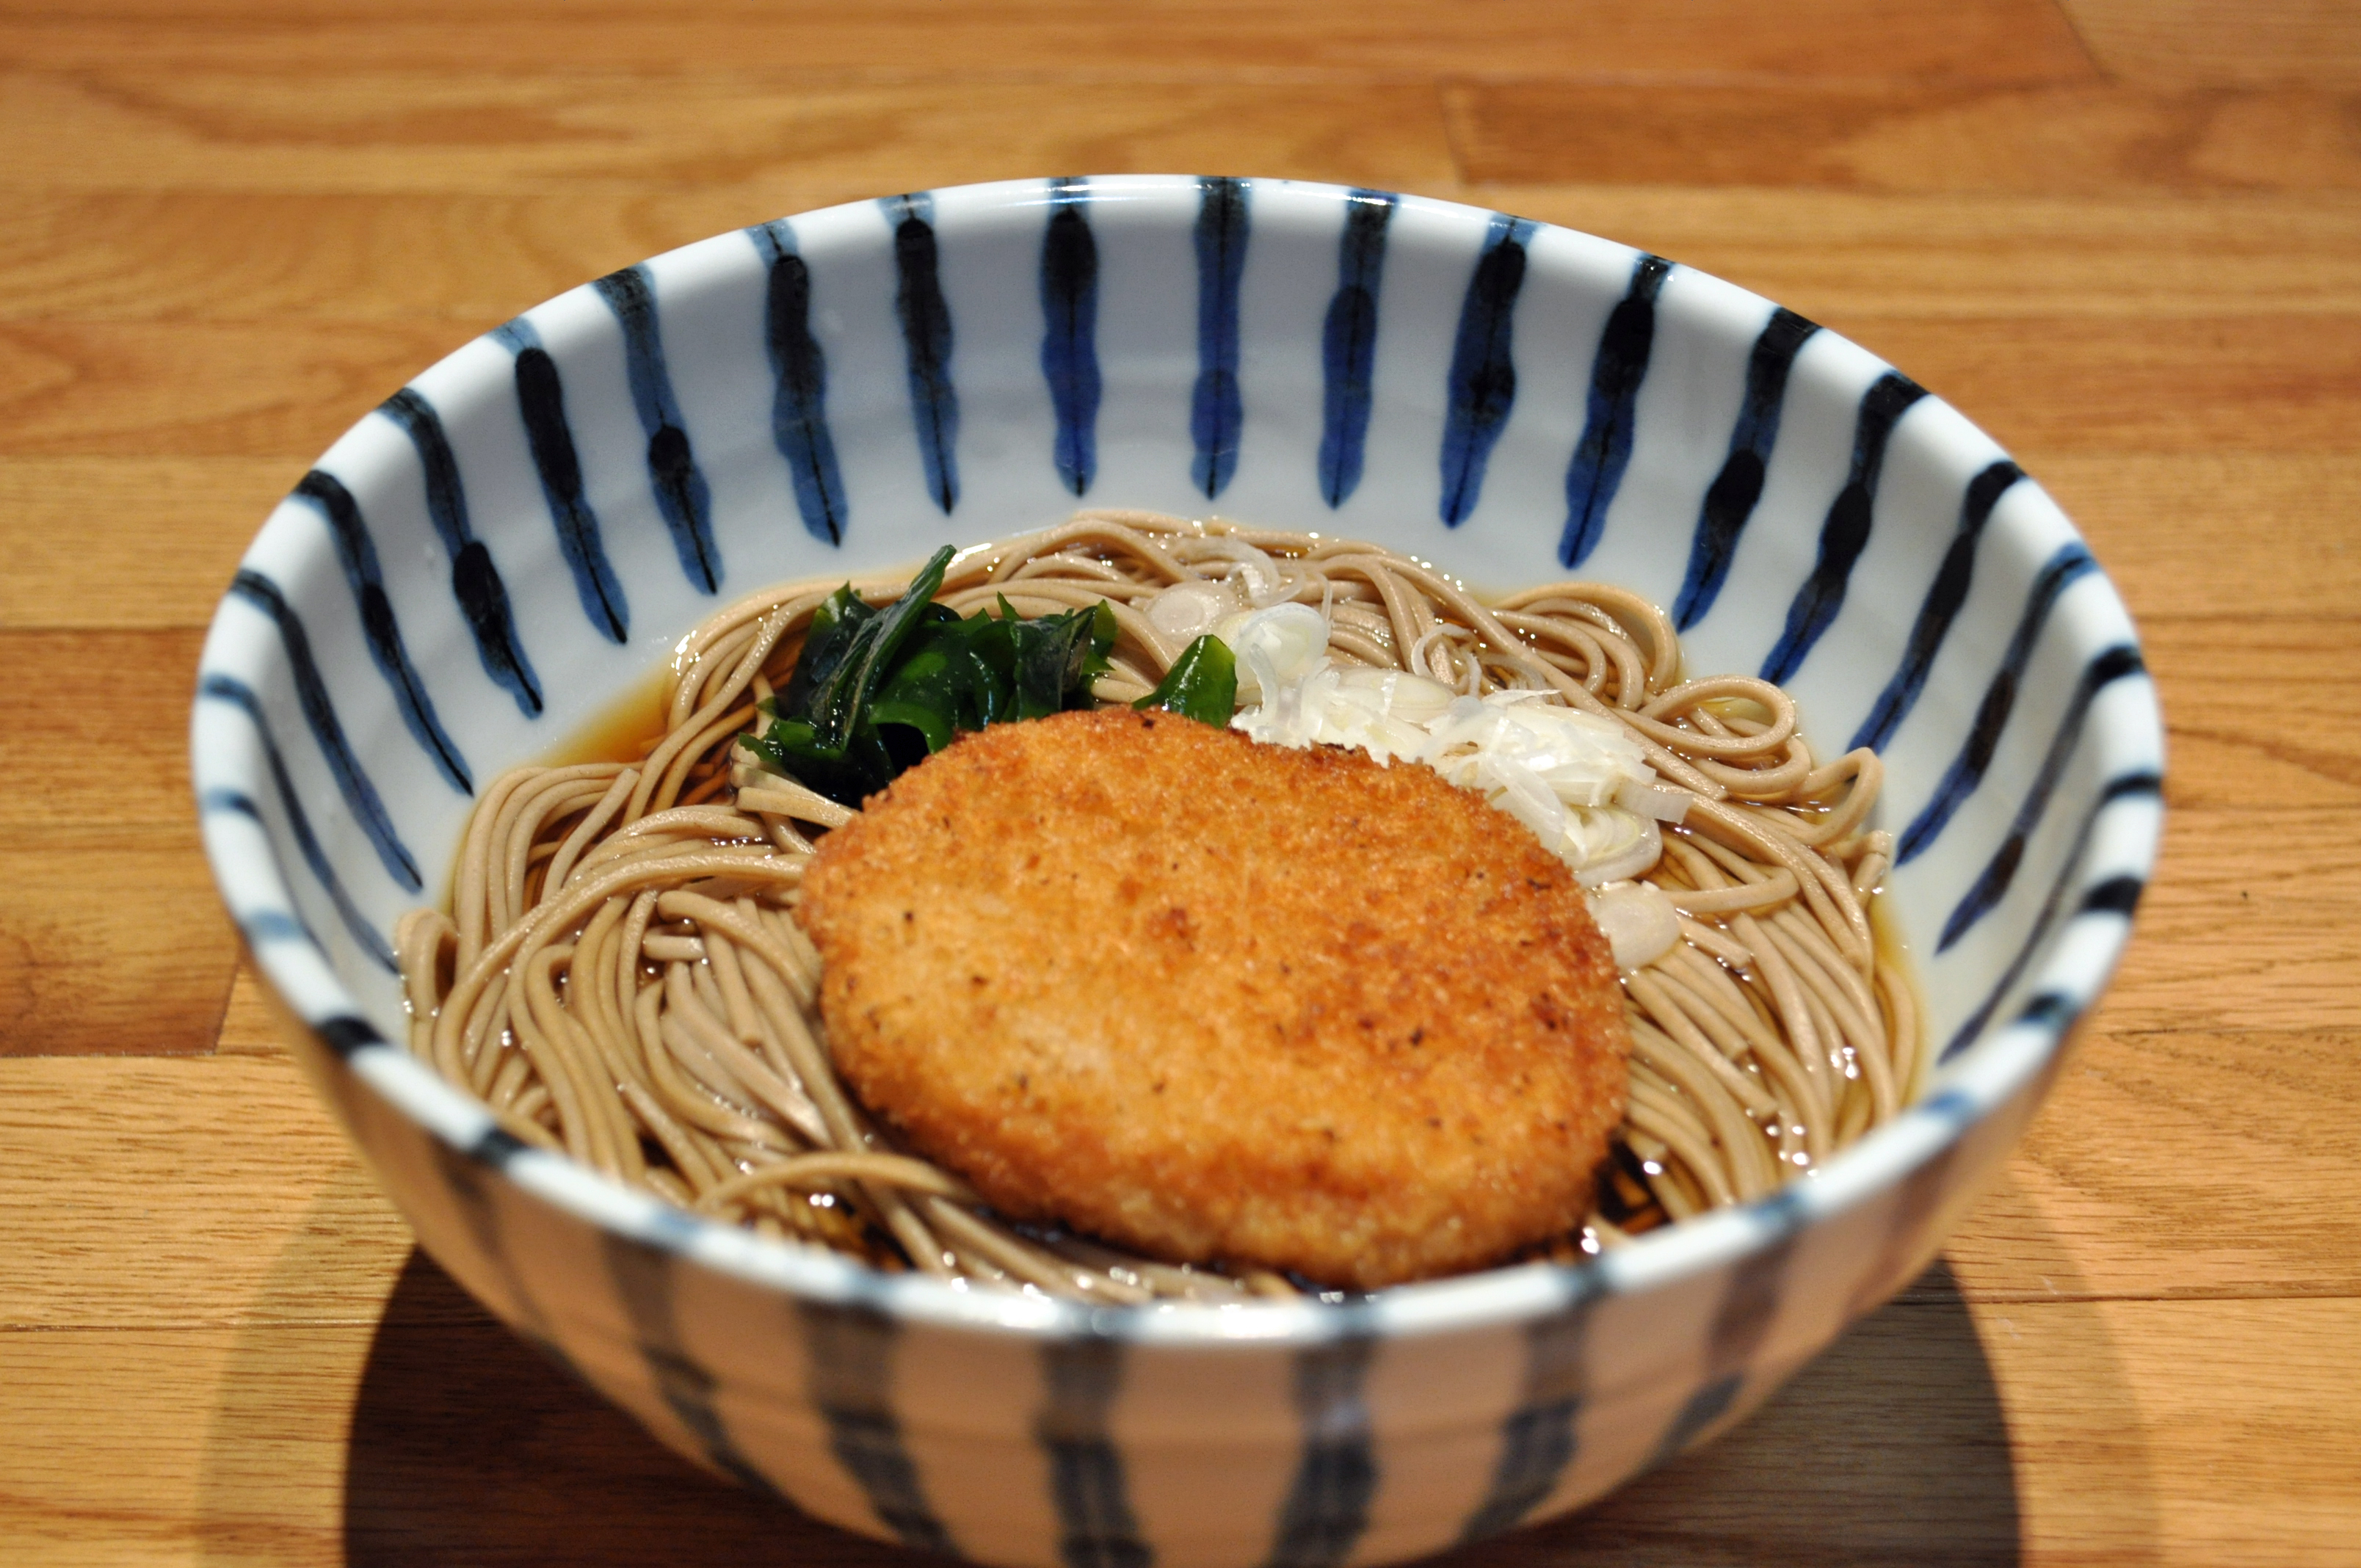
<point>1203,684</point>
<point>876,691</point>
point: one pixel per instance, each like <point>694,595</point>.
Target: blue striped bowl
<point>487,561</point>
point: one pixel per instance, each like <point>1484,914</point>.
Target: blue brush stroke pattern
<point>1729,503</point>
<point>358,554</point>
<point>1348,343</point>
<point>1070,324</point>
<point>320,713</point>
<point>1096,1527</point>
<point>1948,592</point>
<point>239,695</point>
<point>345,1033</point>
<point>475,580</point>
<point>2116,895</point>
<point>1620,364</point>
<point>683,499</point>
<point>926,319</point>
<point>2071,563</point>
<point>263,925</point>
<point>540,406</point>
<point>1845,534</point>
<point>268,925</point>
<point>1740,1327</point>
<point>1898,1254</point>
<point>1992,884</point>
<point>463,1175</point>
<point>1327,1508</point>
<point>848,1372</point>
<point>643,1278</point>
<point>1483,378</point>
<point>1537,1441</point>
<point>1216,413</point>
<point>799,408</point>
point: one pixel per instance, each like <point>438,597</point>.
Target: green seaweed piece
<point>875,692</point>
<point>1203,684</point>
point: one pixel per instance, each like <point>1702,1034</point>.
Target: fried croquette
<point>1223,1001</point>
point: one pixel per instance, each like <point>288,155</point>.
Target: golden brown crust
<point>1218,1000</point>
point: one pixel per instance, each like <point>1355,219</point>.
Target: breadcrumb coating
<point>1223,1001</point>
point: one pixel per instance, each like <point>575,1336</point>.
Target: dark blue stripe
<point>1949,591</point>
<point>1327,1508</point>
<point>1483,378</point>
<point>926,318</point>
<point>1967,770</point>
<point>683,499</point>
<point>849,1375</point>
<point>2051,1009</point>
<point>1740,1327</point>
<point>1617,368</point>
<point>1070,318</point>
<point>1898,1254</point>
<point>263,925</point>
<point>643,1278</point>
<point>540,404</point>
<point>475,580</point>
<point>2117,895</point>
<point>1537,1441</point>
<point>496,1145</point>
<point>1845,534</point>
<point>358,554</point>
<point>320,714</point>
<point>1348,342</point>
<point>239,695</point>
<point>344,1034</point>
<point>1729,501</point>
<point>799,408</point>
<point>1096,1528</point>
<point>463,1174</point>
<point>268,925</point>
<point>2112,665</point>
<point>1216,413</point>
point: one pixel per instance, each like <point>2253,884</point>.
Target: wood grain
<point>122,948</point>
<point>334,256</point>
<point>2248,383</point>
<point>1834,254</point>
<point>456,131</point>
<point>1290,39</point>
<point>249,1027</point>
<point>2121,235</point>
<point>109,545</point>
<point>2238,1145</point>
<point>125,950</point>
<point>2204,533</point>
<point>1912,137</point>
<point>276,1221</point>
<point>204,388</point>
<point>2253,922</point>
<point>2229,751</point>
<point>99,749</point>
<point>2211,41</point>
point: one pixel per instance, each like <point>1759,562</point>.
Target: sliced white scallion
<point>1580,783</point>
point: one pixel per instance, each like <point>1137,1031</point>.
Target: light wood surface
<point>2125,235</point>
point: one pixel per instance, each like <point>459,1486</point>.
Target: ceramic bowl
<point>482,565</point>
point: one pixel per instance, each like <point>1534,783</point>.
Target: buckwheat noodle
<point>620,976</point>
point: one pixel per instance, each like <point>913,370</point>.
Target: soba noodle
<point>620,975</point>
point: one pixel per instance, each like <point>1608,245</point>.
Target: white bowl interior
<point>1892,555</point>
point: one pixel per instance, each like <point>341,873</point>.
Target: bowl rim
<point>2007,1059</point>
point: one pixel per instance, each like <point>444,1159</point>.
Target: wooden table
<point>2123,235</point>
